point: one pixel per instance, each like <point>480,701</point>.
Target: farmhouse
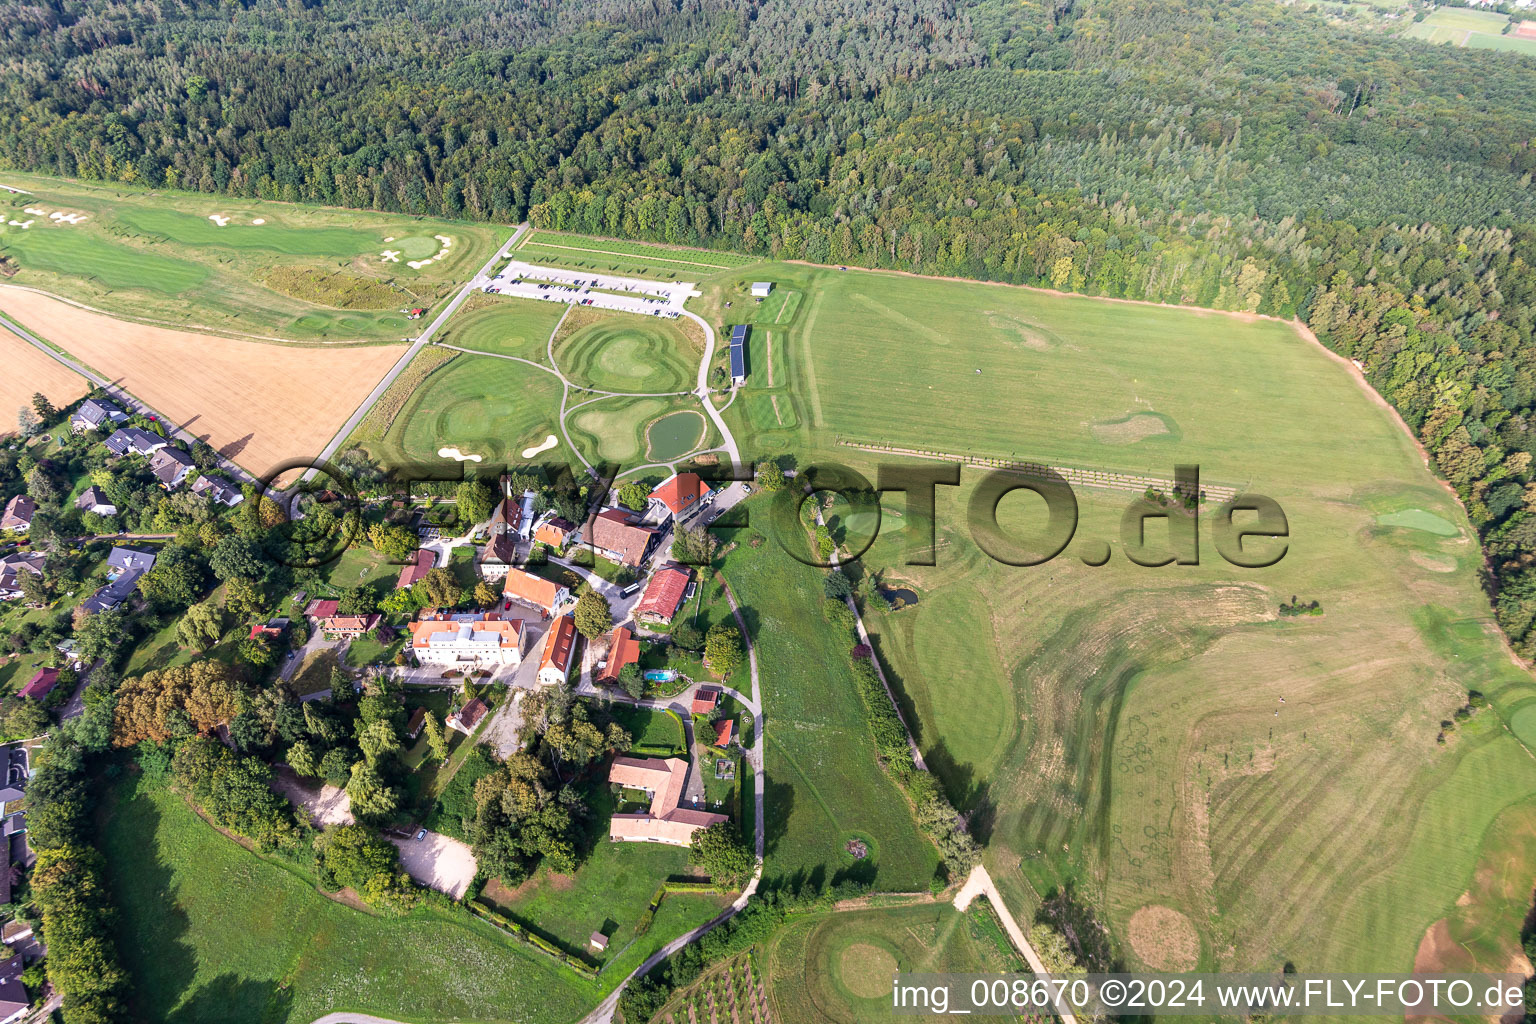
<point>739,354</point>
<point>464,641</point>
<point>663,595</point>
<point>623,649</point>
<point>681,494</point>
<point>95,413</point>
<point>555,664</point>
<point>133,441</point>
<point>11,568</point>
<point>526,588</point>
<point>425,560</point>
<point>94,499</point>
<point>665,822</point>
<point>349,626</point>
<point>170,466</point>
<point>616,538</point>
<point>554,531</point>
<point>467,717</point>
<point>124,567</point>
<point>218,489</point>
<point>40,684</point>
<point>18,513</point>
<point>760,289</point>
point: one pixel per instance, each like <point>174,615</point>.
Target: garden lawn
<point>210,931</point>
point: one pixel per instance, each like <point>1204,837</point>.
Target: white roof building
<point>760,289</point>
<point>481,642</point>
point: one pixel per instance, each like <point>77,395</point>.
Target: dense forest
<point>1241,155</point>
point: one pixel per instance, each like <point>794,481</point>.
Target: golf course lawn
<point>615,428</point>
<point>1122,727</point>
<point>480,404</point>
<point>839,967</point>
<point>503,326</point>
<point>615,351</point>
<point>209,931</point>
<point>627,258</point>
<point>204,262</point>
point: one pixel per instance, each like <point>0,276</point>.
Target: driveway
<point>326,804</point>
<point>438,862</point>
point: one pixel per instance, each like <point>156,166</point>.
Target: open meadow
<point>236,266</point>
<point>257,403</point>
<point>1164,737</point>
<point>212,932</point>
<point>627,258</point>
<point>1470,28</point>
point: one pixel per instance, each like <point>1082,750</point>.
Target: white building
<point>760,289</point>
<point>467,641</point>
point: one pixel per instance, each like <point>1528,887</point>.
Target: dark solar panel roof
<point>739,334</point>
<point>738,361</point>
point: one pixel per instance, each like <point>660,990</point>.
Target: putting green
<point>626,352</point>
<point>1523,724</point>
<point>415,247</point>
<point>1419,519</point>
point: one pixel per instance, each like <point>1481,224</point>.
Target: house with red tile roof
<point>663,594</point>
<point>617,538</point>
<point>725,729</point>
<point>467,717</point>
<point>623,649</point>
<point>349,626</point>
<point>526,588</point>
<point>40,684</point>
<point>665,821</point>
<point>705,699</point>
<point>554,531</point>
<point>682,494</point>
<point>318,609</point>
<point>559,645</point>
<point>425,560</point>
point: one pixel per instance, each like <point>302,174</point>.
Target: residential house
<point>349,627</point>
<point>617,538</point>
<point>725,731</point>
<point>218,489</point>
<point>623,649</point>
<point>463,641</point>
<point>41,683</point>
<point>425,560</point>
<point>14,1004</point>
<point>555,532</point>
<point>705,699</point>
<point>133,441</point>
<point>467,717</point>
<point>665,821</point>
<point>11,568</point>
<point>124,567</point>
<point>170,466</point>
<point>500,552</point>
<point>663,594</point>
<point>526,588</point>
<point>414,724</point>
<point>18,513</point>
<point>559,645</point>
<point>681,494</point>
<point>94,499</point>
<point>96,413</point>
<point>318,609</point>
<point>273,629</point>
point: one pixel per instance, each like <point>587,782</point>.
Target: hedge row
<point>538,942</point>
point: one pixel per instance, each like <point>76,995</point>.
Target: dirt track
<point>257,403</point>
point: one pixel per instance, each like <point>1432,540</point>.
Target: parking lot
<point>578,287</point>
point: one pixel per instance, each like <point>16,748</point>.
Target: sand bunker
<point>23,224</point>
<point>258,221</point>
<point>219,219</point>
<point>549,442</point>
<point>454,453</point>
<point>442,240</point>
<point>57,216</point>
<point>390,256</point>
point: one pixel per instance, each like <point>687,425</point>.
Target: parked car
<point>421,835</point>
<point>630,591</point>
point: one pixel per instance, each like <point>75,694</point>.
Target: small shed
<point>760,289</point>
<point>598,942</point>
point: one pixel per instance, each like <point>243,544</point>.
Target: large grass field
<point>630,259</point>
<point>503,326</point>
<point>1473,29</point>
<point>209,931</point>
<point>614,351</point>
<point>268,270</point>
<point>1122,728</point>
<point>838,967</point>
